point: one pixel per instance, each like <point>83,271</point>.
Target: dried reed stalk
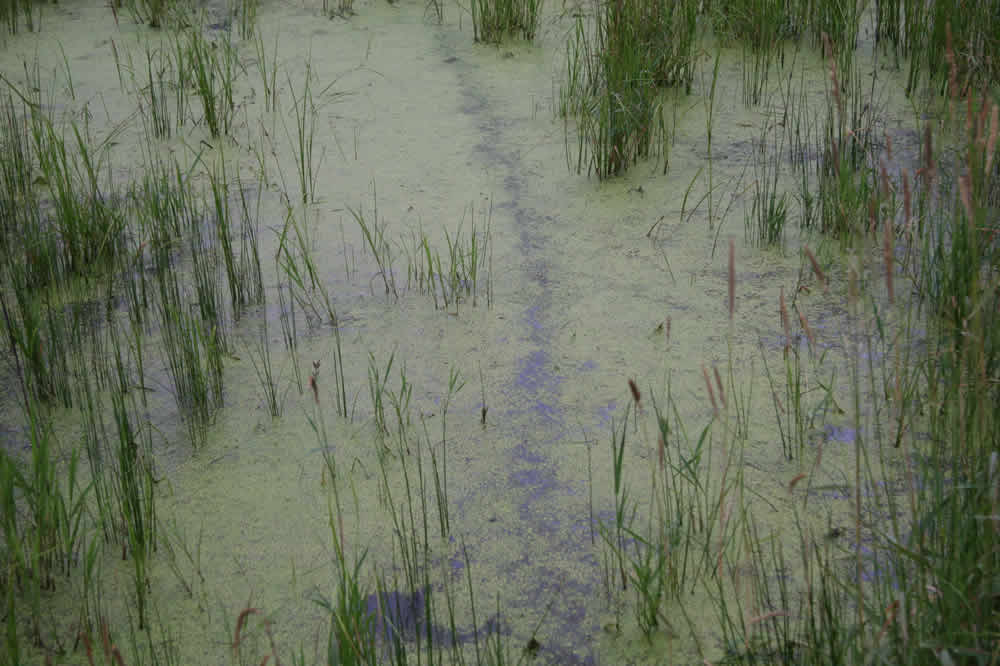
<point>635,392</point>
<point>718,383</point>
<point>820,275</point>
<point>711,392</point>
<point>805,327</point>
<point>965,191</point>
<point>240,622</point>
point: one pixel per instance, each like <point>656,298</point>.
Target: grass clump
<point>214,67</point>
<point>13,11</point>
<point>970,31</point>
<point>761,27</point>
<point>768,213</point>
<point>616,69</point>
<point>492,20</point>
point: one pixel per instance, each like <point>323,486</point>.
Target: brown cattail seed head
<point>816,268</point>
<point>635,391</point>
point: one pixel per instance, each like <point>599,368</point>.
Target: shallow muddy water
<point>590,285</point>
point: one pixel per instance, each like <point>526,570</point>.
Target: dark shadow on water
<point>403,616</point>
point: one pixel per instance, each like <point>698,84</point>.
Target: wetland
<point>638,332</point>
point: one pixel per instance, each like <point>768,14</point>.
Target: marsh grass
<point>847,187</point>
<point>616,69</point>
<point>343,9</point>
<point>289,330</point>
<point>904,582</point>
<point>374,231</point>
<point>166,208</point>
<point>377,381</point>
<point>401,611</point>
<point>79,228</point>
<point>153,13</point>
<point>666,544</point>
<point>306,163</point>
<point>133,480</point>
<point>801,130</point>
<point>243,271</point>
<point>214,66</point>
<point>44,505</point>
<point>910,580</point>
<point>155,94</point>
<point>465,273</point>
<point>768,213</point>
<point>268,70</point>
<point>193,353</point>
<point>183,83</point>
<point>246,11</point>
<point>295,260</point>
<point>32,324</point>
<point>928,31</point>
<point>493,20</point>
<point>436,8</point>
<point>761,27</point>
<point>13,11</point>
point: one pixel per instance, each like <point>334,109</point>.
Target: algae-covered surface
<point>585,285</point>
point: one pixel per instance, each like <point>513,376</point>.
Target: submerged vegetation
<point>129,292</point>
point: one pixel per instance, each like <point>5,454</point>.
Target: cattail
<point>887,253</point>
<point>890,617</point>
<point>732,278</point>
<point>718,383</point>
<point>635,392</point>
<point>816,269</point>
<point>106,644</point>
<point>711,393</point>
<point>965,191</point>
<point>805,327</point>
<point>87,646</point>
<point>981,122</point>
<point>828,48</point>
<point>314,388</point>
<point>313,381</point>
